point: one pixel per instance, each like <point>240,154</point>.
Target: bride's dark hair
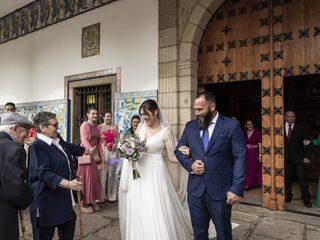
<point>149,105</point>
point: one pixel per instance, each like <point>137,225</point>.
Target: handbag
<point>84,159</point>
<point>97,158</point>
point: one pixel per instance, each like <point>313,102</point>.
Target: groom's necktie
<point>205,137</point>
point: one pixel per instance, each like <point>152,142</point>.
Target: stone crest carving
<point>91,40</point>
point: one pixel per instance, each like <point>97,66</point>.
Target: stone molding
<point>107,76</point>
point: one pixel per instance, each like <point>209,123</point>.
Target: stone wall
<point>181,24</point>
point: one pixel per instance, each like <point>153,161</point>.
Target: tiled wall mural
<point>43,13</point>
<point>127,105</point>
<point>59,107</point>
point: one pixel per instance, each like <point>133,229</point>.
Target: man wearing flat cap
<point>15,194</point>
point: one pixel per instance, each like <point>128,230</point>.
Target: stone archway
<point>178,65</point>
<point>181,26</point>
<point>188,53</point>
<point>178,48</point>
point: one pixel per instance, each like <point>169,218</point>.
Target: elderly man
<point>15,194</point>
<point>297,153</point>
<point>52,178</point>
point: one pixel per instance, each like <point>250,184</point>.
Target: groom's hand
<point>198,167</point>
<point>232,198</point>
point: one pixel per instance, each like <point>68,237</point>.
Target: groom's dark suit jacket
<point>224,159</point>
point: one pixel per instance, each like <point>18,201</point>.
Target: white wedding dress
<point>149,208</point>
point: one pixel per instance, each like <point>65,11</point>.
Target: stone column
<point>168,58</point>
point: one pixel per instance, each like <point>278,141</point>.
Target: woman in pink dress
<point>90,137</point>
<point>254,163</point>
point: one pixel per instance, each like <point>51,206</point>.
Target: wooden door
<point>267,40</point>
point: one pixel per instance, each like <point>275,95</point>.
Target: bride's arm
<point>170,143</point>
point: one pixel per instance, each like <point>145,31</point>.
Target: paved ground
<point>254,197</point>
<point>101,225</point>
<point>255,223</point>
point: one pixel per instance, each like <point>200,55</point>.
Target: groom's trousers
<point>204,208</point>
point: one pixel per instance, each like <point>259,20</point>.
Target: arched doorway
<point>267,40</point>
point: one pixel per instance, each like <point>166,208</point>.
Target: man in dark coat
<point>15,194</point>
<point>296,155</point>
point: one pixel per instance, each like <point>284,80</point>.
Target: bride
<point>149,207</point>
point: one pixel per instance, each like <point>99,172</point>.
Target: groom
<point>216,167</point>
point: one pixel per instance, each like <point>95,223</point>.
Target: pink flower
<point>109,137</point>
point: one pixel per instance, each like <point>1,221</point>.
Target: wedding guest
<point>316,143</point>
<point>90,137</point>
<point>135,120</point>
<point>107,122</point>
<point>15,194</point>
<point>296,155</point>
<point>112,159</point>
<point>52,179</point>
<point>252,138</point>
<point>108,169</point>
<point>9,107</point>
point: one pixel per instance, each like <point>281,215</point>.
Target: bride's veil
<point>177,174</point>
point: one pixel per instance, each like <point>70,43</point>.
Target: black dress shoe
<point>307,203</point>
<point>287,200</point>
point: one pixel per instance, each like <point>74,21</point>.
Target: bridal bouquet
<point>130,147</point>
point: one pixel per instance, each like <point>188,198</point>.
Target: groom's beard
<point>204,122</point>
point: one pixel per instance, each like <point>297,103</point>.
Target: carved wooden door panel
<point>267,40</point>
